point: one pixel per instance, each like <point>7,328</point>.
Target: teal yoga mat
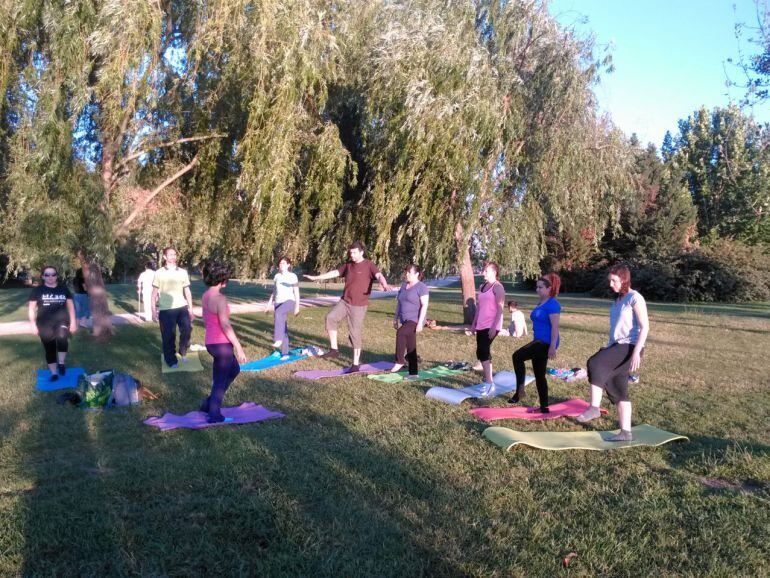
<point>438,371</point>
<point>644,435</point>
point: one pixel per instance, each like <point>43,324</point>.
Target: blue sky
<point>670,57</point>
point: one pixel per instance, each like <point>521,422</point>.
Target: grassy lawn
<point>370,479</point>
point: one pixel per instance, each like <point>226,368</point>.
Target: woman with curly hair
<point>221,341</point>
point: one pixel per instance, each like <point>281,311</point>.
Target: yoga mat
<point>438,371</point>
<point>248,412</point>
<point>193,363</point>
<point>644,435</point>
<point>457,396</point>
<point>377,366</point>
<point>67,381</point>
<point>570,408</point>
<point>272,360</point>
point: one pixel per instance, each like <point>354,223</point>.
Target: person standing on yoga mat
<point>488,320</point>
<point>172,307</point>
<point>359,273</point>
<point>51,313</point>
<point>545,340</point>
<point>286,297</point>
<point>411,309</point>
<point>221,341</point>
<point>608,368</point>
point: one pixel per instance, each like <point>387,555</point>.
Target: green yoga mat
<point>193,363</point>
<point>644,435</point>
<point>438,371</point>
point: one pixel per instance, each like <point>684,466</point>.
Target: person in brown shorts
<point>359,273</point>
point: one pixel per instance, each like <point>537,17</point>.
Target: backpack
<point>107,388</point>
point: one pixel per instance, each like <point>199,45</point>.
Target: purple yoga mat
<point>248,412</point>
<point>570,408</point>
<point>376,367</point>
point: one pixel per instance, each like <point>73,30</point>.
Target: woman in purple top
<point>545,340</point>
<point>488,320</point>
<point>411,308</point>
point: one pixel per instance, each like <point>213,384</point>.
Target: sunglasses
<point>50,274</point>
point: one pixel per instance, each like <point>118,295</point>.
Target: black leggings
<point>537,351</point>
<point>54,340</point>
<point>484,345</point>
<point>226,369</point>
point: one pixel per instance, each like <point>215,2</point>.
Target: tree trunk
<point>97,299</point>
<point>466,275</point>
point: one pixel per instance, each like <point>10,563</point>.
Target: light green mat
<point>193,363</point>
<point>644,435</point>
<point>438,371</point>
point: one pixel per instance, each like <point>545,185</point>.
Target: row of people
<point>52,314</point>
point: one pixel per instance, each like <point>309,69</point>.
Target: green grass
<point>364,478</point>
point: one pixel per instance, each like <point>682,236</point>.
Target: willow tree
<point>481,127</point>
<point>169,121</point>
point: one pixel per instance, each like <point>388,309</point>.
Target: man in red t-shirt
<point>359,273</point>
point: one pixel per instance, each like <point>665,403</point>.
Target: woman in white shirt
<point>285,295</point>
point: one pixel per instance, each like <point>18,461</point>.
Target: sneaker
<point>397,367</point>
<point>622,436</point>
<point>331,354</point>
<point>277,344</point>
<point>285,357</point>
<point>486,389</point>
<point>62,369</point>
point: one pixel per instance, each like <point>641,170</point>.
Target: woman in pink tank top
<point>221,341</point>
<point>489,318</point>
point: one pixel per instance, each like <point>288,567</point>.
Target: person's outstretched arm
<point>383,282</point>
<point>333,274</point>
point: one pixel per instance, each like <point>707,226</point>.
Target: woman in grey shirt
<point>608,368</point>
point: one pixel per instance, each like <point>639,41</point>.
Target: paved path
<point>24,327</point>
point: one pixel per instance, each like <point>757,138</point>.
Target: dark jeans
<point>406,342</point>
<point>54,339</point>
<point>169,319</point>
<point>226,369</point>
<point>537,351</point>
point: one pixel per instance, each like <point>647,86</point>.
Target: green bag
<point>95,390</point>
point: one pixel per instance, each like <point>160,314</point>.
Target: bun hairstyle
<point>412,268</point>
<point>216,272</point>
<point>624,274</point>
<point>553,282</point>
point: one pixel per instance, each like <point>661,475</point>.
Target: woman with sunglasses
<point>51,312</point>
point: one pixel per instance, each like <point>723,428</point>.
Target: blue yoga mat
<point>272,360</point>
<point>67,381</point>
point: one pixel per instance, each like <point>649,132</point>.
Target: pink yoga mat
<point>376,367</point>
<point>245,413</point>
<point>570,408</point>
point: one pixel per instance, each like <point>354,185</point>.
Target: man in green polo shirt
<point>172,307</point>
